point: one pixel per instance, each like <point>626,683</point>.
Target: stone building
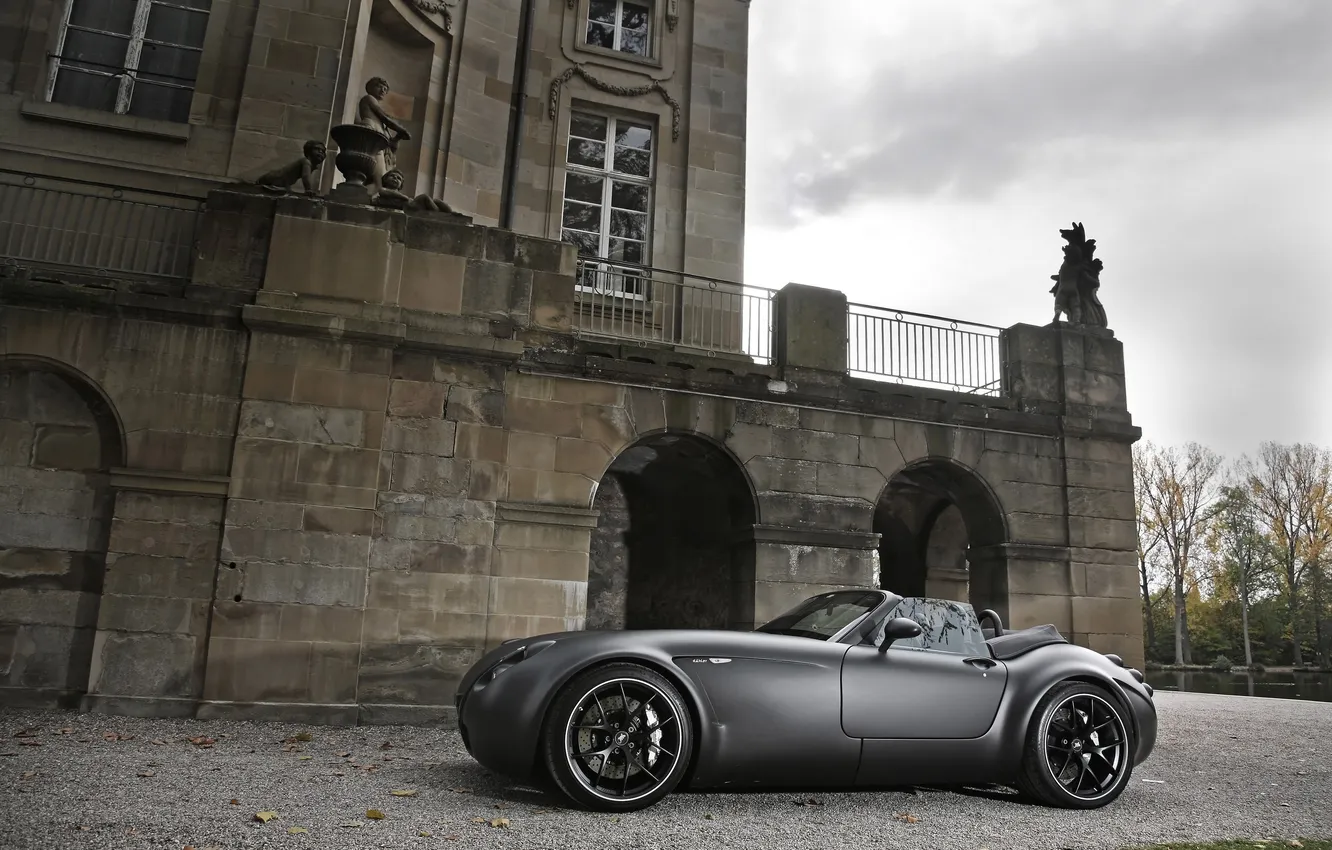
<point>264,453</point>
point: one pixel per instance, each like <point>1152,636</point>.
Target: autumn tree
<point>1242,553</point>
<point>1149,538</point>
<point>1291,488</point>
<point>1180,493</point>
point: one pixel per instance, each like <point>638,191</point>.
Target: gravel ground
<point>1224,767</point>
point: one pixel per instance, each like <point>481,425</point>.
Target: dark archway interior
<point>57,439</point>
<point>928,516</point>
<point>672,541</point>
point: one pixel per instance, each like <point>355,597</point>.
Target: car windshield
<point>825,615</point>
<point>945,626</point>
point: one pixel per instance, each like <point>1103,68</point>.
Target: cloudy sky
<point>923,155</point>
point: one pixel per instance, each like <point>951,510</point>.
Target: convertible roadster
<point>853,688</point>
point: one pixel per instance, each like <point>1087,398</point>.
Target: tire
<point>1064,765</point>
<point>592,747</point>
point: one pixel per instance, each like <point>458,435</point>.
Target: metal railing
<point>96,227</point>
<point>923,350</point>
<point>651,306</point>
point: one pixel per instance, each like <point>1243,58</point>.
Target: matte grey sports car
<point>851,688</point>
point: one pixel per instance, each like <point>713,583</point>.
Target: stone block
<point>342,466</point>
<point>800,510</point>
<point>46,607</point>
<point>429,476</point>
<point>338,521</point>
<point>1092,615</point>
<point>541,564</point>
<point>320,623</point>
<point>1032,498</point>
<point>432,282</point>
<point>15,442</point>
<point>424,399</point>
<point>1106,504</point>
<point>581,456</point>
<point>585,392</point>
<point>245,670</point>
<point>428,592</point>
<point>1100,475</point>
<point>151,665</point>
<point>1039,578</point>
<point>246,513</point>
<point>152,614</point>
<point>413,674</point>
<point>410,527</point>
<point>341,389</point>
<point>553,488</point>
<point>783,474</point>
<point>1042,529</point>
<point>785,562</point>
<point>328,258</point>
<point>263,459</point>
<point>1098,533</point>
<point>1113,581</point>
<point>608,426</point>
<point>433,437</point>
<point>1027,610</point>
<point>537,597</point>
<point>799,444</point>
<point>487,480</point>
<point>544,536</point>
<point>440,556</point>
<point>160,538</point>
<point>442,628</point>
<point>66,447</point>
<point>475,405</point>
<point>307,584</point>
<point>253,620</point>
<point>543,417</point>
<point>531,451</point>
<point>488,288</point>
<point>269,381</point>
<point>301,423</point>
<point>836,479</point>
<point>149,575</point>
<point>36,563</point>
<point>482,442</point>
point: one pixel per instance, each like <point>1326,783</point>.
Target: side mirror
<point>898,628</point>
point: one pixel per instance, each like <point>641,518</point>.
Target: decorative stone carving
<point>437,7</point>
<point>393,196</point>
<point>1079,278</point>
<point>360,150</point>
<point>282,179</point>
<point>370,114</point>
<point>672,14</point>
<point>610,88</point>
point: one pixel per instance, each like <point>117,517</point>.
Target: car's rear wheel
<point>1078,752</point>
<point>617,738</point>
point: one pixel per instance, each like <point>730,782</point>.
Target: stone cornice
<point>538,514</point>
<point>171,483</point>
<point>810,537</point>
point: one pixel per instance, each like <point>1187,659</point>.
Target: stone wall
<point>366,447</point>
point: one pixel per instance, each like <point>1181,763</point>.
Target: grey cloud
<point>974,131</point>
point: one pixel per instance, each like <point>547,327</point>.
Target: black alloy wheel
<point>1079,750</point>
<point>618,738</point>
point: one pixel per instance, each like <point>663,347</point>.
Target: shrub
<point>1222,663</point>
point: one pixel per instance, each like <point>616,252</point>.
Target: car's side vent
<point>1119,662</point>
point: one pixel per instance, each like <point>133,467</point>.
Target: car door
<point>941,685</point>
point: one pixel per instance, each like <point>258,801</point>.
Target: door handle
<point>982,662</point>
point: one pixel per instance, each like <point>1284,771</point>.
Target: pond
<point>1311,686</point>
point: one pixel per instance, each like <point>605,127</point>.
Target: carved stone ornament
<point>1079,278</point>
<point>437,7</point>
<point>672,14</point>
<point>610,88</point>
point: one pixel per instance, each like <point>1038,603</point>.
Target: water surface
<point>1310,686</point>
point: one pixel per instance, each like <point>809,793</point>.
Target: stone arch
<point>59,438</point>
<point>931,513</point>
<point>672,547</point>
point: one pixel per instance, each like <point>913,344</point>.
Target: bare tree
<point>1290,489</point>
<point>1180,494</point>
<point>1149,535</point>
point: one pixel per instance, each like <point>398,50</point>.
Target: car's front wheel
<point>1078,752</point>
<point>617,738</point>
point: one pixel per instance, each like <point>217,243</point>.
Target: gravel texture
<point>1224,767</point>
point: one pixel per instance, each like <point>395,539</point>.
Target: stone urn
<point>358,150</point>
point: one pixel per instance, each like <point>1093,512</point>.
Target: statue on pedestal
<point>370,113</point>
<point>1078,280</point>
<point>391,195</point>
<point>282,179</point>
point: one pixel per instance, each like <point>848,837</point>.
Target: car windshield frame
<point>854,604</point>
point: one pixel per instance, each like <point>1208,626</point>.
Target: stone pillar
<point>811,328</point>
<point>1077,375</point>
<point>792,564</point>
<point>539,581</point>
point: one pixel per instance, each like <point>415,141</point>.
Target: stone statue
<point>282,179</point>
<point>370,113</point>
<point>391,195</point>
<point>1078,280</point>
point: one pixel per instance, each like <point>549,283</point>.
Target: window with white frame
<point>622,25</point>
<point>132,57</point>
<point>607,199</point>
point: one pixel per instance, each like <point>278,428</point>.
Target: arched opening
<point>929,516</point>
<point>672,547</point>
<point>58,438</point>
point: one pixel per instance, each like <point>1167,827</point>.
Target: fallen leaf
<point>907,817</point>
<point>450,838</point>
<point>499,823</point>
<point>542,811</point>
<point>461,790</point>
<point>504,805</point>
<point>85,829</point>
<point>404,793</point>
<point>423,834</point>
<point>235,802</point>
<point>117,736</point>
<point>304,758</point>
<point>264,817</point>
<point>29,774</point>
<point>343,755</point>
<point>30,732</point>
<point>66,731</point>
<point>157,742</point>
<point>339,773</point>
<point>809,801</point>
<point>203,741</point>
<point>388,758</point>
<point>296,830</point>
<point>353,824</point>
<point>146,773</point>
<point>707,816</point>
<point>26,743</point>
<point>1295,842</point>
<point>385,746</point>
<point>374,814</point>
<point>304,736</point>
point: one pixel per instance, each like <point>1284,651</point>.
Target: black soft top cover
<point>1013,644</point>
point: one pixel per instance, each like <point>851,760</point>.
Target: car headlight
<point>518,656</point>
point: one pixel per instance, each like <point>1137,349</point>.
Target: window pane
<point>601,35</point>
<point>201,5</point>
<point>168,64</point>
<point>109,15</point>
<point>176,26</point>
<point>591,154</point>
<point>602,10</point>
<point>163,103</point>
<point>587,126</point>
<point>583,187</point>
<point>633,135</point>
<point>93,91</point>
<point>634,42</point>
<point>582,216</point>
<point>629,196</point>
<point>634,162</point>
<point>630,225</point>
<point>97,52</point>
<point>635,17</point>
<point>626,252</point>
<point>589,244</point>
